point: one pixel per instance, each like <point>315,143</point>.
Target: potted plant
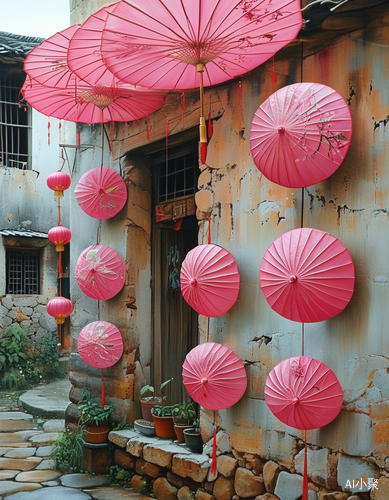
<point>163,421</point>
<point>184,414</point>
<point>193,439</point>
<point>94,418</point>
<point>149,399</point>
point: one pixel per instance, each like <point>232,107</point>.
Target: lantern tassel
<point>305,478</point>
<point>60,269</point>
<point>102,390</point>
<point>213,464</point>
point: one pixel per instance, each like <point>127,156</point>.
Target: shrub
<point>120,477</point>
<point>68,452</point>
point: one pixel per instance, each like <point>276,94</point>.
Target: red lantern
<point>59,235</point>
<point>58,182</point>
<point>60,308</point>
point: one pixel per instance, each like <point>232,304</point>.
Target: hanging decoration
<point>100,272</point>
<point>101,193</point>
<point>184,44</point>
<point>301,134</point>
<point>100,344</point>
<point>59,181</point>
<point>214,377</point>
<point>307,275</point>
<point>210,280</point>
<point>59,308</point>
<point>59,236</point>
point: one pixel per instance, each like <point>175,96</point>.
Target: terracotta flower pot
<point>97,434</point>
<point>147,405</point>
<point>164,427</point>
<point>179,430</point>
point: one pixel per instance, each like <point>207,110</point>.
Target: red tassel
<point>213,464</point>
<point>203,152</point>
<point>210,126</point>
<point>48,131</point>
<point>305,478</point>
<point>60,270</point>
<point>78,139</point>
<point>209,230</point>
<point>102,390</point>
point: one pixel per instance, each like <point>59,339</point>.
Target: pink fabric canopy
<point>100,344</point>
<point>101,193</point>
<point>301,134</point>
<point>100,272</point>
<point>214,376</point>
<point>210,280</point>
<point>307,275</point>
<point>159,43</point>
<point>303,393</point>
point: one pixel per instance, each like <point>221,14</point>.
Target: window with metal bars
<point>23,272</point>
<point>15,124</point>
<point>177,177</point>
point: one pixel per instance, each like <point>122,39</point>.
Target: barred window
<point>177,177</point>
<point>23,273</point>
<point>15,124</point>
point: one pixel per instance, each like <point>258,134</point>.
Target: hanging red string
<point>213,463</point>
<point>148,128</point>
<point>102,390</point>
<point>48,131</point>
<point>210,126</point>
<point>78,138</point>
<point>305,478</point>
<point>209,230</point>
<point>273,76</point>
<point>182,107</point>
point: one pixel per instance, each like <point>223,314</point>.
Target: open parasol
<point>183,44</point>
<point>210,280</point>
<point>100,344</point>
<point>301,134</point>
<point>307,275</point>
<point>84,54</point>
<point>101,193</point>
<point>100,272</point>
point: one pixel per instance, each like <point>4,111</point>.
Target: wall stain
<point>378,124</point>
<point>280,218</point>
<point>351,93</point>
<point>350,210</point>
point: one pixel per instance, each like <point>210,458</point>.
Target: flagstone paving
<point>27,471</point>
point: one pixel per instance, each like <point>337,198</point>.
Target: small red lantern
<point>60,308</point>
<point>58,182</point>
<point>59,235</point>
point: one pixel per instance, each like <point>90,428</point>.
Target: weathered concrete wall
<point>248,212</point>
<point>26,203</point>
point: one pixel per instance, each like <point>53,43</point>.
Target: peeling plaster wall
<point>26,203</point>
<point>247,213</point>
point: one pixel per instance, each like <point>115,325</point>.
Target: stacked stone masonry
<point>172,472</point>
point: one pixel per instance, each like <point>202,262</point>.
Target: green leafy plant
<point>67,455</point>
<point>146,389</point>
<point>145,488</point>
<point>13,345</point>
<point>120,477</point>
<point>185,411</point>
<point>13,380</point>
<point>162,411</point>
<point>122,426</point>
<point>91,412</point>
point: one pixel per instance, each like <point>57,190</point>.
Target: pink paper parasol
<point>100,272</point>
<point>84,54</point>
<point>214,376</point>
<point>100,344</point>
<point>301,134</point>
<point>181,44</point>
<point>210,280</point>
<point>83,103</point>
<point>101,193</point>
<point>303,393</point>
<point>307,275</point>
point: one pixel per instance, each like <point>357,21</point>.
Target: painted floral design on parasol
<point>303,393</point>
<point>100,272</point>
<point>101,193</point>
<point>100,344</point>
<point>210,280</point>
<point>182,44</point>
<point>214,376</point>
<point>307,275</point>
<point>301,134</point>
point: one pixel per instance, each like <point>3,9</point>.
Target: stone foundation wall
<point>28,312</point>
<point>171,472</point>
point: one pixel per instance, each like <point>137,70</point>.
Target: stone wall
<point>28,312</point>
<point>171,472</point>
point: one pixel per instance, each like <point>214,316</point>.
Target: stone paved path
<point>27,470</point>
